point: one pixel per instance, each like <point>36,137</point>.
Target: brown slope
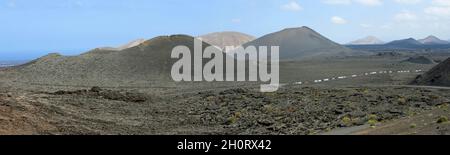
<point>125,46</point>
<point>223,39</point>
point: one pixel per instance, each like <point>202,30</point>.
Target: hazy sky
<point>30,28</point>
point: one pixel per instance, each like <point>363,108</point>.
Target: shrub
<point>373,120</point>
<point>442,119</point>
<point>401,100</point>
<point>373,117</point>
<point>372,123</point>
<point>347,121</point>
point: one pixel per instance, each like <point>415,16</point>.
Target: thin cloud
<point>11,4</point>
<point>337,2</point>
<point>236,20</point>
<point>292,6</point>
<point>370,2</point>
<point>338,20</point>
<point>348,2</point>
<point>405,16</point>
<point>439,8</point>
<point>366,25</point>
<point>409,2</point>
<point>438,11</point>
<point>441,2</point>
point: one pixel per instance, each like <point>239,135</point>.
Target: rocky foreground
<point>294,110</point>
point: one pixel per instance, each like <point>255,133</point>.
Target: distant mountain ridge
<point>410,42</point>
<point>150,61</point>
<point>430,42</point>
<point>370,40</point>
<point>433,40</point>
<point>301,43</point>
<point>227,38</point>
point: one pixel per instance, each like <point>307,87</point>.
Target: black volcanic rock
<point>438,76</point>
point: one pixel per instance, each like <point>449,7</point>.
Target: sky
<point>29,29</point>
